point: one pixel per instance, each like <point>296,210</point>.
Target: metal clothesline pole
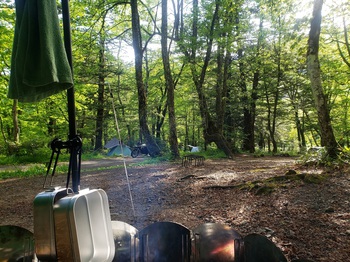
<point>75,149</point>
<point>68,47</point>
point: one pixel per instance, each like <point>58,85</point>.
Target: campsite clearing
<point>303,218</point>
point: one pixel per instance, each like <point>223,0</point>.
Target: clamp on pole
<point>74,146</point>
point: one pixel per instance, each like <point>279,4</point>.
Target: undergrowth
<point>30,171</point>
<point>17,166</point>
<point>209,153</point>
<point>319,157</point>
<point>269,185</point>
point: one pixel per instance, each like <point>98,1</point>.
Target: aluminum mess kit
<point>73,227</point>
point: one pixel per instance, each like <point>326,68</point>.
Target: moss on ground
<point>269,185</point>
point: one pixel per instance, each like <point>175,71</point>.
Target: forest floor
<point>305,212</point>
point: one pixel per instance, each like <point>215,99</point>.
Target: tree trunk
<point>161,112</point>
<point>270,121</point>
<point>247,136</point>
<point>169,82</point>
<point>3,132</point>
<point>249,100</point>
<point>137,44</point>
<point>249,111</point>
<point>211,129</point>
<point>313,64</point>
<point>274,115</point>
<point>51,126</point>
<point>15,121</point>
<point>276,91</point>
<point>253,98</point>
<point>300,130</point>
<point>101,95</point>
<point>99,117</point>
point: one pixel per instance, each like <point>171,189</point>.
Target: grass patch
<point>102,168</point>
<point>92,155</point>
<point>38,157</point>
<point>30,171</point>
<point>208,154</point>
<point>40,169</point>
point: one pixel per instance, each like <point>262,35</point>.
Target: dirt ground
<point>305,220</point>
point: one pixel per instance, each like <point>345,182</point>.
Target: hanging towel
<point>39,64</point>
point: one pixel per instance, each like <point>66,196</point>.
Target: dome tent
<point>117,148</point>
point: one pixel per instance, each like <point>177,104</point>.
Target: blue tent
<point>117,148</point>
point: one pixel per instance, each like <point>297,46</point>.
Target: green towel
<point>39,65</point>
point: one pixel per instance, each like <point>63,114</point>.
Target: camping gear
<point>74,138</point>
<point>73,227</point>
<point>259,248</point>
<point>90,239</point>
<point>39,66</point>
<point>83,227</point>
<point>74,145</point>
<point>117,148</point>
<point>126,242</point>
<point>44,224</point>
<point>194,149</point>
<point>216,242</point>
<point>112,143</point>
<point>139,149</point>
<point>165,241</point>
<point>16,244</point>
<point>121,150</point>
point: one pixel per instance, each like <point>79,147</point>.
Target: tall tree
<point>212,130</point>
<point>273,108</point>
<point>169,82</point>
<point>7,20</point>
<point>101,86</point>
<point>249,98</point>
<point>314,70</point>
<point>15,121</point>
<point>137,45</point>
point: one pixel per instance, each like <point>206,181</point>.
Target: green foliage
<point>213,153</point>
<point>35,170</point>
<point>154,160</point>
<point>269,185</point>
<point>24,155</point>
<point>29,155</point>
<point>344,155</point>
<point>279,59</point>
<point>314,156</point>
<point>30,171</point>
<point>210,153</point>
<point>92,155</point>
<point>318,156</point>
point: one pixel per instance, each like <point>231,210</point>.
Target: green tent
<point>119,150</point>
<point>116,148</point>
